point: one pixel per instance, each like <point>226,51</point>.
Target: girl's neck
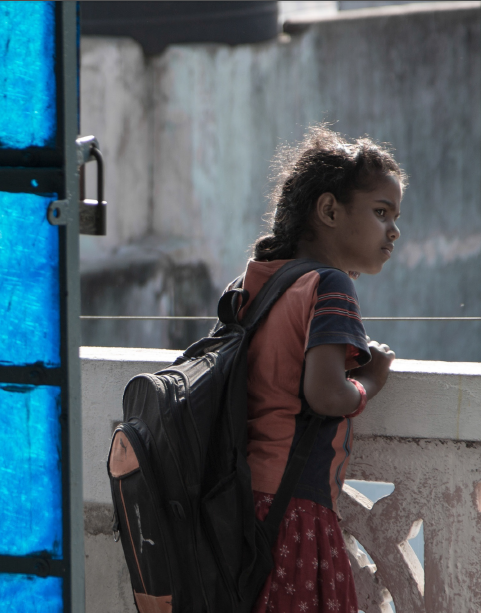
<point>313,250</point>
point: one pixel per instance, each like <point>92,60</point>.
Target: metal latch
<point>93,214</point>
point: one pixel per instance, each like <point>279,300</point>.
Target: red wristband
<point>362,403</point>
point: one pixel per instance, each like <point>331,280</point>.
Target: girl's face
<point>367,229</point>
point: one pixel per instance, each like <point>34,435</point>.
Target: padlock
<point>93,214</point>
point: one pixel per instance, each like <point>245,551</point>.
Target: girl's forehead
<point>388,181</point>
<point>389,184</point>
<point>387,190</point>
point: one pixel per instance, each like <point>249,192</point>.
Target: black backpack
<point>181,485</point>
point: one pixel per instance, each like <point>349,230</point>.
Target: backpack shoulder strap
<point>231,302</point>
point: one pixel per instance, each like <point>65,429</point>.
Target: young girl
<point>335,202</point>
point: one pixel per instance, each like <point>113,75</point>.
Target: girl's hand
<point>373,376</point>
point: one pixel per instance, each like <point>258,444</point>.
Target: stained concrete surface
<point>189,135</point>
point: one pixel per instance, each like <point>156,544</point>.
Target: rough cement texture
<point>436,481</point>
<point>107,579</point>
<point>189,136</point>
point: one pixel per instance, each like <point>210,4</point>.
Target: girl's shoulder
<point>333,280</point>
<point>327,282</point>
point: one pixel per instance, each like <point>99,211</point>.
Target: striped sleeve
<point>337,317</point>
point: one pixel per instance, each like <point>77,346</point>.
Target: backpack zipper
<point>130,536</point>
<point>138,448</point>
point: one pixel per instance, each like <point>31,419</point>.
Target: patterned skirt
<point>312,572</point>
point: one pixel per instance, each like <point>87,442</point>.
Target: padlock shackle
<point>92,214</point>
<point>97,154</point>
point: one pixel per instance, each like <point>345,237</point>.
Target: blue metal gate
<point>41,520</point>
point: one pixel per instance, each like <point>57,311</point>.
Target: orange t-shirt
<point>321,307</point>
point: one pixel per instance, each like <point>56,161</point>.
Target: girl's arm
<point>325,386</point>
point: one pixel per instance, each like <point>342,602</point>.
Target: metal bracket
<point>58,213</point>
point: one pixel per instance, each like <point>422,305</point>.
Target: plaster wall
<point>405,74</point>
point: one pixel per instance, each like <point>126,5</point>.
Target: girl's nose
<point>394,233</point>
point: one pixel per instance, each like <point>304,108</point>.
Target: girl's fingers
<point>383,347</point>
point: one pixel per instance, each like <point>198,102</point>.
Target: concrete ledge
<point>422,399</point>
<point>426,399</point>
<point>131,355</point>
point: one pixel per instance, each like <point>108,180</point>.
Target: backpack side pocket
<point>137,522</point>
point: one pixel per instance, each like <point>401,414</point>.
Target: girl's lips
<point>387,252</point>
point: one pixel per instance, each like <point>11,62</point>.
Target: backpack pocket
<point>136,507</point>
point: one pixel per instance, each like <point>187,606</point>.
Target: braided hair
<point>323,162</point>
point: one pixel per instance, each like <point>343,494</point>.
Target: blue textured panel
<point>20,593</point>
<point>28,113</point>
<point>29,284</point>
<point>30,470</point>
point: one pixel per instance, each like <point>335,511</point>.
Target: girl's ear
<point>327,209</point>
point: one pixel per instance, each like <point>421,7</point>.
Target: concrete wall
<point>189,144</point>
<point>116,107</point>
<point>422,433</point>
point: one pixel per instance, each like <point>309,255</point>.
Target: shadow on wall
<point>158,287</point>
<point>155,25</point>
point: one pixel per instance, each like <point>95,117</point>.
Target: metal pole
<point>73,504</point>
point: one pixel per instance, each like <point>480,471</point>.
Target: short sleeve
<point>336,318</point>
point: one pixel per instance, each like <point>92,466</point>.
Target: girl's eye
<point>381,212</point>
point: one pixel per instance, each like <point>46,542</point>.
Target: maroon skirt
<point>312,572</point>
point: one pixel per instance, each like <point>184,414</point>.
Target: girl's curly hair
<point>324,161</point>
